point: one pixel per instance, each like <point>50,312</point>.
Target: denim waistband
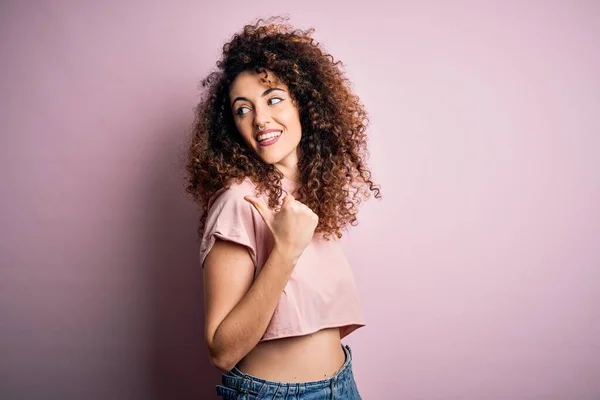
<point>247,383</point>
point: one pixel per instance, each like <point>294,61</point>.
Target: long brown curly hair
<point>333,146</point>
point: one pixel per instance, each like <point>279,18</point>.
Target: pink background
<point>479,270</point>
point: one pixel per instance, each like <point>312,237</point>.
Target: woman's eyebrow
<point>266,92</point>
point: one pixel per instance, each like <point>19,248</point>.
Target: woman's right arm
<point>238,311</point>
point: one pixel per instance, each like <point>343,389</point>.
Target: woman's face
<point>256,108</point>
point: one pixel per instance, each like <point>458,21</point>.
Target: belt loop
<point>293,390</point>
<point>246,384</point>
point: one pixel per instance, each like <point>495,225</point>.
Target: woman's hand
<point>293,226</point>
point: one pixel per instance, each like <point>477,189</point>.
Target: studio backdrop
<point>479,269</point>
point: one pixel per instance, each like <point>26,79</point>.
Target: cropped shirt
<point>321,291</point>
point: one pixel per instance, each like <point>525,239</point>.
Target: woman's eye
<point>239,111</point>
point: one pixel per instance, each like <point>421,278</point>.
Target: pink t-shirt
<point>321,292</point>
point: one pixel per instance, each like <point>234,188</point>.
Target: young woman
<point>277,163</point>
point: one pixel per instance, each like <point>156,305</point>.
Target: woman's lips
<point>270,141</point>
<point>266,131</point>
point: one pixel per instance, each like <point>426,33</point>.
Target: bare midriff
<point>305,358</point>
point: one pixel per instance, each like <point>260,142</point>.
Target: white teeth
<point>268,136</point>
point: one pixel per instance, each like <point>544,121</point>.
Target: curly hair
<point>333,146</point>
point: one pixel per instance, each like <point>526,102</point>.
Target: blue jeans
<point>241,386</point>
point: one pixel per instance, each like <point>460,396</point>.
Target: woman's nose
<point>261,116</point>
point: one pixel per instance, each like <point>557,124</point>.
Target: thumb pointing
<point>260,206</point>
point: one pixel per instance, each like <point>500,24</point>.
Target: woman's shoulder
<point>234,192</point>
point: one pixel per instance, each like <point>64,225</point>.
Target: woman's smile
<point>269,138</point>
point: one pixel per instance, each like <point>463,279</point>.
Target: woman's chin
<point>269,157</point>
<point>269,160</point>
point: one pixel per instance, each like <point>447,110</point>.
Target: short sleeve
<point>229,217</point>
